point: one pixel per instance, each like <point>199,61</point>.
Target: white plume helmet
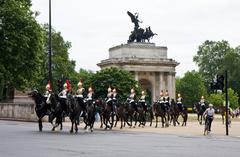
<point>79,83</point>
<point>109,89</point>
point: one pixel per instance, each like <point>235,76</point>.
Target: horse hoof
<point>91,130</point>
<point>71,131</point>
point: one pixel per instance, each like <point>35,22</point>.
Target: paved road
<point>21,139</point>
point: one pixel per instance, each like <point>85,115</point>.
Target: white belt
<point>109,100</point>
<point>131,101</point>
<point>80,96</point>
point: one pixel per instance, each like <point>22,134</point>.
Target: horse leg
<point>121,123</point>
<point>166,121</point>
<point>177,119</point>
<point>40,126</point>
<point>136,119</point>
<point>162,121</point>
<point>91,126</point>
<point>174,120</point>
<point>151,118</point>
<point>117,119</point>
<point>71,131</point>
<point>61,126</point>
<point>223,118</point>
<point>156,121</point>
<point>101,118</point>
<point>131,119</point>
<point>112,119</point>
<point>76,127</point>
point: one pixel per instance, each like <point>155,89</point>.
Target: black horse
<point>131,113</point>
<point>89,119</point>
<point>42,108</point>
<point>74,112</point>
<point>174,113</point>
<point>121,114</point>
<point>160,112</point>
<point>105,111</point>
<point>199,110</point>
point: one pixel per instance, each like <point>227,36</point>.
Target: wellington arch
<point>148,63</point>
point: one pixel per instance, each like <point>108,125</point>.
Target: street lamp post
<point>226,104</point>
<point>50,45</point>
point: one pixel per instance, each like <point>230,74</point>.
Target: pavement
<point>22,139</point>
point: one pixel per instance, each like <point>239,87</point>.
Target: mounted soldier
<point>90,95</point>
<point>47,96</point>
<point>142,100</point>
<point>80,96</point>
<point>179,102</point>
<point>109,98</point>
<point>63,95</point>
<point>131,99</point>
<point>166,100</point>
<point>48,93</point>
<point>161,100</point>
<point>202,103</point>
<point>115,99</point>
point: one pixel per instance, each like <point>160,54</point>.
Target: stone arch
<point>148,87</point>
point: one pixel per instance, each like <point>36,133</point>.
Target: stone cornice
<point>138,45</point>
<point>138,61</point>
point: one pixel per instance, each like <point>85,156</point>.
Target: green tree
<point>233,98</point>
<point>209,58</point>
<point>21,43</point>
<point>216,99</point>
<point>122,80</point>
<point>62,66</point>
<point>231,63</point>
<point>191,87</point>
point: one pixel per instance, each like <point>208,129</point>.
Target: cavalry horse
<point>140,115</point>
<point>121,113</point>
<point>106,113</point>
<point>175,112</point>
<point>75,108</point>
<point>200,110</point>
<point>159,112</point>
<point>89,119</point>
<point>42,108</point>
<point>131,113</point>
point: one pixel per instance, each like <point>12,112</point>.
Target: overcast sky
<point>93,26</point>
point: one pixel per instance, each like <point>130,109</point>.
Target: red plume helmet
<point>68,85</point>
<point>49,86</point>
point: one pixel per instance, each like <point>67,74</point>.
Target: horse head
<point>36,96</point>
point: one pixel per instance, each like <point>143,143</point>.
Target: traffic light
<point>220,82</point>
